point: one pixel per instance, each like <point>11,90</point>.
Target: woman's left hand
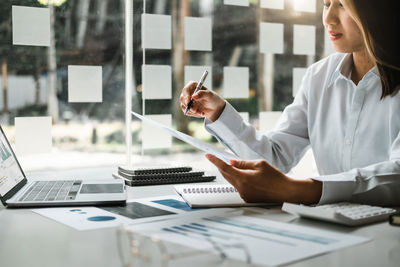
<point>258,181</point>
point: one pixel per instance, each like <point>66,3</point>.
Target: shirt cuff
<point>335,188</point>
<point>227,125</point>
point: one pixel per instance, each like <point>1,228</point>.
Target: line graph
<point>4,152</point>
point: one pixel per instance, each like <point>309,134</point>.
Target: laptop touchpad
<point>101,188</point>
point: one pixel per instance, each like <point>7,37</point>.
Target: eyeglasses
<point>135,249</point>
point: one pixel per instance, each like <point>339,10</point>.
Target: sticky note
<point>305,5</point>
<point>33,135</point>
<point>237,2</point>
<point>271,38</point>
<point>153,137</point>
<point>156,31</point>
<point>198,32</point>
<point>298,74</point>
<point>30,26</point>
<point>328,46</point>
<point>245,116</point>
<point>274,4</point>
<point>157,82</point>
<point>85,84</point>
<point>268,120</point>
<point>303,40</point>
<point>236,82</point>
<point>194,73</point>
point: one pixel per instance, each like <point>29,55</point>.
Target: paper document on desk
<point>255,240</point>
<point>219,153</point>
<point>135,211</point>
<point>83,218</point>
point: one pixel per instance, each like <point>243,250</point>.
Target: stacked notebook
<point>164,175</point>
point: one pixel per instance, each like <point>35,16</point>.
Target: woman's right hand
<point>206,103</point>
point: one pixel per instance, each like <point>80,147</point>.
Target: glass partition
<point>63,68</point>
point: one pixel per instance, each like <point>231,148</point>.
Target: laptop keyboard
<point>52,191</point>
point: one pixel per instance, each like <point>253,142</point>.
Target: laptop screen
<point>10,172</point>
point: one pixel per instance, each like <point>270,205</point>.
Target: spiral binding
<point>210,190</point>
<point>176,180</point>
<point>160,170</point>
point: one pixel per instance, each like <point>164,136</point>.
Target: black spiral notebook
<point>154,170</point>
<point>163,175</point>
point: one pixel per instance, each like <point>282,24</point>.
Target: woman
<point>347,110</point>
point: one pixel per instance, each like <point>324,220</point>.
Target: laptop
<point>17,191</point>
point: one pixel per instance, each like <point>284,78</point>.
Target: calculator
<point>346,213</point>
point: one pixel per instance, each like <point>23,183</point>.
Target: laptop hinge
<point>13,191</point>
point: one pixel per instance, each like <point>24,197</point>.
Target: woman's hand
<point>206,103</point>
<point>258,181</point>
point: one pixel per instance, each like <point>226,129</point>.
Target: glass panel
<point>181,37</point>
<point>62,79</point>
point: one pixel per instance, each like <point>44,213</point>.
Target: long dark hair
<point>379,23</point>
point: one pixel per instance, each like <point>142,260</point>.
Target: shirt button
<point>348,142</point>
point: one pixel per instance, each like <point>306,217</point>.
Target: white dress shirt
<point>355,136</point>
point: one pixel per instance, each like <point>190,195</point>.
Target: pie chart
<point>101,218</point>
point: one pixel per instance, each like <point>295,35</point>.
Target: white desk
<point>28,239</point>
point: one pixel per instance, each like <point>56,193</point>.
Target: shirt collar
<point>344,69</point>
<point>375,71</point>
<point>345,66</point>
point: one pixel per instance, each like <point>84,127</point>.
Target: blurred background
<point>266,43</point>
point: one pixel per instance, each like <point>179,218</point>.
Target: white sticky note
<point>156,31</point>
<point>274,4</point>
<point>157,82</point>
<point>236,82</point>
<point>198,32</point>
<point>85,84</point>
<point>245,116</point>
<point>194,73</point>
<point>30,26</point>
<point>237,2</point>
<point>271,38</point>
<point>304,40</point>
<point>268,120</point>
<point>328,46</point>
<point>305,5</point>
<point>33,135</point>
<point>152,137</point>
<point>298,74</point>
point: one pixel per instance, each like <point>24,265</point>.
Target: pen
<point>198,87</point>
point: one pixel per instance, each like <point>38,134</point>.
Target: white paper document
<point>172,203</point>
<point>219,153</point>
<point>83,218</point>
<point>246,238</point>
<point>136,211</point>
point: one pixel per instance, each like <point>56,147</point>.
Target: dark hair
<point>379,23</point>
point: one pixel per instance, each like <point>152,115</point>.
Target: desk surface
<point>28,239</point>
